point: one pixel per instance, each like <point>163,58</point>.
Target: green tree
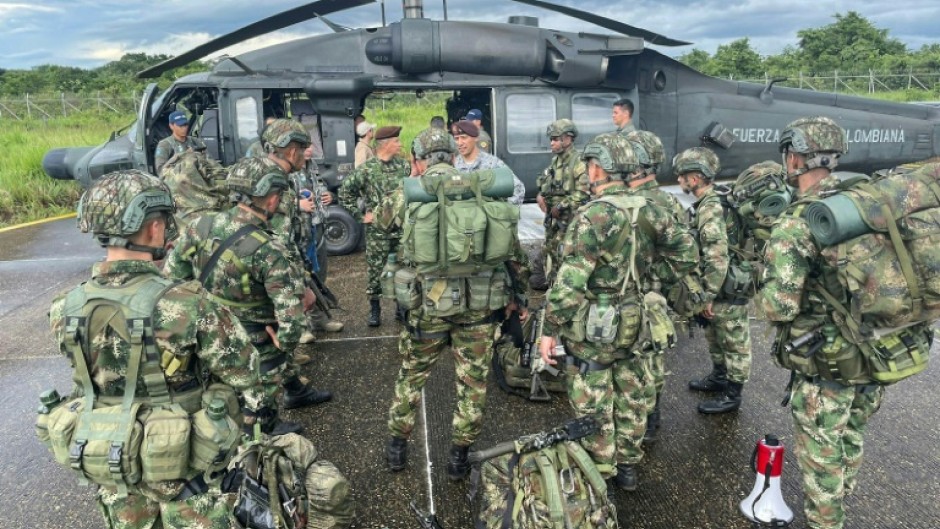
<point>736,59</point>
<point>697,59</point>
<point>850,43</point>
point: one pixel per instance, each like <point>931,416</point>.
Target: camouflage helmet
<point>280,132</point>
<point>697,159</point>
<point>432,140</point>
<point>560,127</point>
<point>648,147</point>
<point>813,136</point>
<point>758,179</point>
<point>614,154</point>
<point>116,206</point>
<point>256,177</point>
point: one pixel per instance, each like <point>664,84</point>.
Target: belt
<point>585,366</point>
<point>832,384</point>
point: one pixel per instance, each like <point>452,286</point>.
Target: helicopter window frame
<point>247,124</point>
<point>595,121</point>
<point>522,137</point>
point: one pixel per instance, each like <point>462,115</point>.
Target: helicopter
<point>521,76</point>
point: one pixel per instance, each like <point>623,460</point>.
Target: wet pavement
<point>693,477</point>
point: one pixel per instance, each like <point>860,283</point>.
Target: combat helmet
<point>255,177</point>
<point>116,206</point>
<point>697,159</point>
<point>649,149</point>
<point>820,139</point>
<point>280,132</point>
<point>613,153</point>
<point>433,140</point>
<point>560,127</point>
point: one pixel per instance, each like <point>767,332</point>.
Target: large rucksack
<point>517,365</point>
<point>456,237</point>
<point>279,482</point>
<point>197,183</point>
<point>542,481</point>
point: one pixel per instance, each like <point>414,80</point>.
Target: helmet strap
<point>158,253</point>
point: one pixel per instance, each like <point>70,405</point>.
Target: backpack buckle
<point>76,452</point>
<point>566,480</point>
<point>114,457</point>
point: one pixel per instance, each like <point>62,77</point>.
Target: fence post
<point>29,115</point>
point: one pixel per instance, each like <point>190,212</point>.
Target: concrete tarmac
<point>693,477</point>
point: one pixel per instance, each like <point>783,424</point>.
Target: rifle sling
<point>226,244</point>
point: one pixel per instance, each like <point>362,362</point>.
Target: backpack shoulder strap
<point>225,245</point>
<point>630,206</point>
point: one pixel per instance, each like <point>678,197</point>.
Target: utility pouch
<point>502,219</point>
<point>164,452</point>
<point>388,277</point>
<point>214,439</point>
<point>575,329</point>
<point>899,355</point>
<point>799,359</point>
<point>420,233</point>
<point>443,296</point>
<point>227,394</point>
<point>658,333</point>
<point>61,425</point>
<point>466,232</point>
<point>499,289</point>
<point>602,323</point>
<point>478,290</point>
<point>106,445</point>
<point>738,285</point>
<point>687,297</point>
<point>629,325</point>
<point>407,288</point>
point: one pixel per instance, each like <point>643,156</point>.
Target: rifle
<point>570,431</point>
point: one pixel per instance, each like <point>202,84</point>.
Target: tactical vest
<point>456,242</point>
<point>120,441</point>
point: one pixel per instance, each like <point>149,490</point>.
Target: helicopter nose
<point>59,163</point>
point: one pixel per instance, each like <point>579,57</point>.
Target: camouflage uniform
<point>626,129</point>
<point>169,146</point>
<point>485,160</point>
<point>620,394</point>
<point>197,183</point>
<point>485,142</point>
<point>373,181</point>
<point>255,149</point>
<point>202,335</point>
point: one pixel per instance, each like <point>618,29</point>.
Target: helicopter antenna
<point>445,10</point>
<point>383,13</point>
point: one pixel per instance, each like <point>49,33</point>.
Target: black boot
<point>715,381</point>
<point>459,465</point>
<point>611,496</point>
<point>626,477</point>
<point>298,395</point>
<point>730,400</point>
<point>652,425</point>
<point>271,424</point>
<point>396,453</point>
<point>375,314</point>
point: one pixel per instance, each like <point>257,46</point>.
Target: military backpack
<point>197,183</point>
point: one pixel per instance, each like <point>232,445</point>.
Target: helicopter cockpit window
<point>246,110</point>
<point>591,113</point>
<point>526,118</point>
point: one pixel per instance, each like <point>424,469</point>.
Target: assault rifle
<point>570,431</point>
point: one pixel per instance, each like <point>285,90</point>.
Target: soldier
<point>470,334</point>
<point>622,114</point>
<point>177,142</point>
<point>829,417</point>
<point>257,148</point>
<point>365,131</point>
<point>563,189</point>
<point>242,266</point>
<point>484,141</point>
<point>373,181</point>
<point>650,155</point>
<point>727,330</point>
<point>130,213</point>
<point>608,254</point>
<point>472,158</point>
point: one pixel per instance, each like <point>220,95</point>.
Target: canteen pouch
<point>407,289</point>
<point>227,394</point>
<point>739,285</point>
<point>164,452</point>
<point>658,333</point>
<point>213,441</point>
<point>61,425</point>
<point>629,325</point>
<point>102,460</point>
<point>602,323</point>
<point>443,296</point>
<point>388,279</point>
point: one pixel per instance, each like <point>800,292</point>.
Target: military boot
<point>715,381</point>
<point>298,394</point>
<point>626,477</point>
<point>396,453</point>
<point>272,424</point>
<point>652,425</point>
<point>459,464</point>
<point>730,400</point>
<point>375,314</point>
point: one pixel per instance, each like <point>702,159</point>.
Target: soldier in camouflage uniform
<point>188,326</point>
<point>562,189</point>
<point>727,331</point>
<point>197,183</point>
<point>650,155</point>
<point>622,115</point>
<point>612,383</point>
<point>255,278</point>
<point>829,418</point>
<point>177,142</point>
<point>372,181</point>
<point>470,334</point>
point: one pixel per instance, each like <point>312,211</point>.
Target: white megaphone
<point>764,505</point>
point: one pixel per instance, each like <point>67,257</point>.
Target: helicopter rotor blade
<point>273,23</point>
<point>613,25</point>
<point>337,28</point>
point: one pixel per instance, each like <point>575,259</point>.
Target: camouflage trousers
<point>378,246</point>
<point>829,423</point>
<point>206,511</point>
<point>551,252</point>
<point>729,340</point>
<point>620,398</point>
<point>472,346</point>
<point>272,379</point>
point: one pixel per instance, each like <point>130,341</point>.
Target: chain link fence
<point>49,106</point>
<point>858,83</point>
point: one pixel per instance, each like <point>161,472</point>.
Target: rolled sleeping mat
<point>495,183</point>
<point>775,203</point>
<point>835,219</point>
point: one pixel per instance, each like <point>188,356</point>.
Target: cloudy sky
<point>89,33</point>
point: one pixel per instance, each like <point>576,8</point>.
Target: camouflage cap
<point>613,153</point>
<point>281,132</point>
<point>757,180</point>
<point>433,140</point>
<point>560,127</point>
<point>697,159</point>
<point>813,135</point>
<point>256,177</point>
<point>117,205</point>
<point>648,147</point>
